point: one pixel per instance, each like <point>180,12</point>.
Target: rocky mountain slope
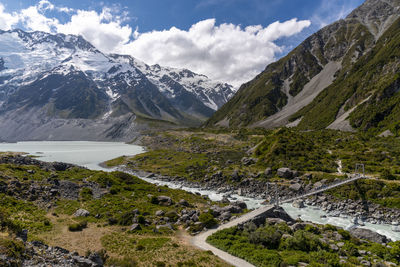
<point>62,87</point>
<point>345,76</point>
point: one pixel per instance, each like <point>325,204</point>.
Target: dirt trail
<point>200,239</point>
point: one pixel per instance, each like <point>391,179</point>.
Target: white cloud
<point>101,29</point>
<point>324,15</point>
<point>225,52</point>
<point>7,20</point>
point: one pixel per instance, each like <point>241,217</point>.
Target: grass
<point>110,216</point>
<point>149,250</point>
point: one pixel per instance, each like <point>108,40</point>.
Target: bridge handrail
<point>323,188</point>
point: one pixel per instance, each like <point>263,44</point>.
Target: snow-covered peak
<point>26,56</point>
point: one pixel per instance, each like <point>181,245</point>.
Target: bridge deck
<point>323,189</point>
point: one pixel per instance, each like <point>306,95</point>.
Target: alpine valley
<point>61,87</point>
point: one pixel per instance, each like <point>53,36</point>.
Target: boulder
<point>184,203</point>
<point>285,173</point>
<point>164,200</point>
<point>295,187</point>
<point>298,204</point>
<point>248,161</point>
<point>368,235</point>
<point>135,227</point>
<point>241,204</point>
<point>81,213</point>
<point>235,176</point>
<point>160,213</point>
<point>225,216</point>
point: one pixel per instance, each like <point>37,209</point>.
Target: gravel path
<point>200,239</point>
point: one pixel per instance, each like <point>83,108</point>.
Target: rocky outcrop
<point>38,254</point>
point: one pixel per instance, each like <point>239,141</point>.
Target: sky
<point>227,40</point>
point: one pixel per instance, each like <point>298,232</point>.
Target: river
<point>91,154</point>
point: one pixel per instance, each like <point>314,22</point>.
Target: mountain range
<point>345,76</point>
<point>56,86</point>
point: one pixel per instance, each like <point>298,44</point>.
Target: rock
<point>135,227</point>
<point>235,176</point>
<point>248,161</point>
<point>167,226</point>
<point>94,257</point>
<point>241,204</point>
<point>81,213</point>
<point>82,262</point>
<point>225,216</point>
<point>285,173</point>
<point>298,204</point>
<point>160,213</point>
<point>386,133</point>
<point>274,220</point>
<point>300,226</point>
<point>365,263</point>
<point>333,247</point>
<point>317,185</point>
<point>184,203</point>
<point>268,171</point>
<point>368,235</point>
<point>164,200</point>
<point>295,187</point>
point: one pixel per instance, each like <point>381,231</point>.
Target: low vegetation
<point>44,202</point>
<point>317,245</point>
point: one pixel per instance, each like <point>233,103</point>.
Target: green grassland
<point>107,226</point>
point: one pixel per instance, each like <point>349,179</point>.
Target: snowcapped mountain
<point>52,86</point>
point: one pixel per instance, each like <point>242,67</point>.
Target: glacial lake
<point>91,154</point>
<point>83,153</point>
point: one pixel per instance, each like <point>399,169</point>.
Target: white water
<point>91,154</point>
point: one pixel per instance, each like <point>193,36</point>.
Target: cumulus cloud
<point>224,52</point>
<point>7,20</point>
<point>103,30</point>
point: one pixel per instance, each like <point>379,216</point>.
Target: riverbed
<point>91,154</point>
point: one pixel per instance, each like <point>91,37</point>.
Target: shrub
<point>76,227</point>
<point>268,236</point>
<point>344,234</point>
<point>154,200</point>
<point>141,219</point>
<point>208,220</point>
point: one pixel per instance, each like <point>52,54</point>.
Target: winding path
<point>200,239</point>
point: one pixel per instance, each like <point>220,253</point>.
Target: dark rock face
<point>368,235</point>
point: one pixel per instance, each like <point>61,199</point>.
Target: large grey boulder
<point>81,213</point>
<point>164,200</point>
<point>295,187</point>
<point>368,235</point>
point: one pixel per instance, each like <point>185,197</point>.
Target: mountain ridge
<point>64,77</point>
<point>273,98</point>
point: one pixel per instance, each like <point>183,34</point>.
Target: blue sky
<point>199,34</point>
